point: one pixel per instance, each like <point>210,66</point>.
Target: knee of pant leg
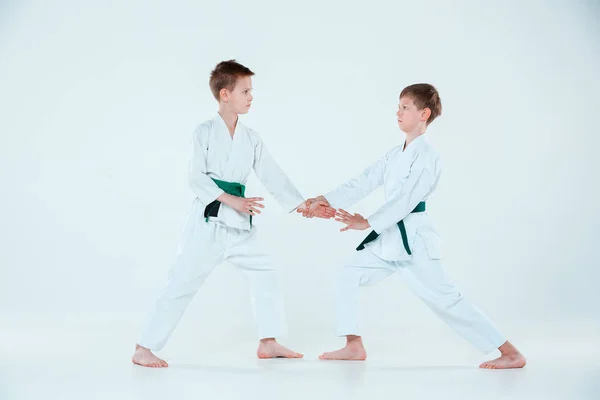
<point>178,288</point>
<point>351,276</point>
<point>263,262</point>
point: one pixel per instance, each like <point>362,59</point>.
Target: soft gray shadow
<point>217,369</point>
<point>427,368</point>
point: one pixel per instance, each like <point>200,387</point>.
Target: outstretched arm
<point>355,189</point>
<point>279,185</point>
<point>421,181</point>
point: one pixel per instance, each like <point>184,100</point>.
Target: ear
<point>425,114</point>
<point>224,94</point>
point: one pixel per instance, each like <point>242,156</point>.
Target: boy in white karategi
<point>219,228</point>
<point>403,237</point>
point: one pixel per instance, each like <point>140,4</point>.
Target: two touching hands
<point>319,207</point>
<point>314,207</point>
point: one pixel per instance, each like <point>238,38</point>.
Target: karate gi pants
<point>205,245</point>
<point>426,278</point>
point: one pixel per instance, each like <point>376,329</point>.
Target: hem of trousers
<point>347,332</point>
<point>149,346</point>
<point>493,345</point>
<point>275,334</point>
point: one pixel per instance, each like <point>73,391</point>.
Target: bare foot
<point>510,358</point>
<point>504,362</point>
<point>269,348</point>
<point>144,357</point>
<point>354,350</point>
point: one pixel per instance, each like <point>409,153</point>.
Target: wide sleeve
<point>203,187</point>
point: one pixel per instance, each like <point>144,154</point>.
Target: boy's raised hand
<point>356,221</point>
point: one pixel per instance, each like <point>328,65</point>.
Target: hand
<point>316,207</point>
<point>356,221</point>
<point>248,205</point>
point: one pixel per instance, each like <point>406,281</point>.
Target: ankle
<point>268,340</point>
<point>354,341</point>
<point>141,349</point>
<point>507,349</point>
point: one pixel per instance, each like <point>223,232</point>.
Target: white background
<point>98,102</point>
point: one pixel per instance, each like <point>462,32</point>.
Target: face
<point>409,116</point>
<point>240,98</point>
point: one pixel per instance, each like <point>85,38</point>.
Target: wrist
<point>226,198</point>
<point>321,198</point>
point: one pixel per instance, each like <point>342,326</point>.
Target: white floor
<point>87,357</point>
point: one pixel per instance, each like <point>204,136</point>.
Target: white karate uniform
<point>409,177</point>
<point>215,154</point>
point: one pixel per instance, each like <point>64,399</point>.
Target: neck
<point>410,136</point>
<point>229,117</point>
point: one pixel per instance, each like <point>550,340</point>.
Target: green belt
<point>373,235</point>
<point>232,188</point>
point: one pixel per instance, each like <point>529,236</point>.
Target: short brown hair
<point>225,76</point>
<point>424,96</point>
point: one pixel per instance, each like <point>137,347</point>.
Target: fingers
<point>327,215</point>
<point>325,212</point>
<point>251,206</point>
<point>321,209</point>
<point>344,218</point>
<point>254,211</point>
<point>344,213</point>
<point>343,221</point>
<point>318,203</point>
<point>303,211</point>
